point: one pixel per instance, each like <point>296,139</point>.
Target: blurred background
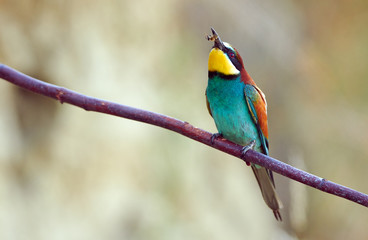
<point>70,174</point>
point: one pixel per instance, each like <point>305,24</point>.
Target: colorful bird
<point>239,109</point>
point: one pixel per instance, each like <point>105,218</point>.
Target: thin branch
<point>97,105</point>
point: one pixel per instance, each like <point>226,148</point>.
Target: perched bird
<point>239,109</point>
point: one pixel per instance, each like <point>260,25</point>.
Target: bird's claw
<point>246,148</point>
<point>214,137</point>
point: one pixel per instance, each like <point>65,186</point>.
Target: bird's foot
<point>246,148</point>
<point>214,137</point>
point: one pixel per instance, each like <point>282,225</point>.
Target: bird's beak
<point>216,39</point>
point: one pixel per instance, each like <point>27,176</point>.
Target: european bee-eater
<point>239,109</point>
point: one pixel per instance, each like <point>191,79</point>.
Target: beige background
<point>70,174</point>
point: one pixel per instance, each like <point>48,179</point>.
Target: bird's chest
<point>230,111</point>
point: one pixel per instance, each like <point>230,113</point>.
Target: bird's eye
<point>231,55</point>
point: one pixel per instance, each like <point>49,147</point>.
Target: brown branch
<point>97,105</point>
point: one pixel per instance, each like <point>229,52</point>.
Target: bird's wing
<point>257,106</point>
<point>208,104</point>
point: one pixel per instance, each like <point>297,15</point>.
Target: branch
<point>97,105</point>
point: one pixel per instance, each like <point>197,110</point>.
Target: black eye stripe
<point>229,52</point>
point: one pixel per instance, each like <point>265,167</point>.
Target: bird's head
<point>224,59</point>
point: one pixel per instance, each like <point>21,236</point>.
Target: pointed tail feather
<point>268,190</point>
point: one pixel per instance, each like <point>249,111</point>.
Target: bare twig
<point>97,105</point>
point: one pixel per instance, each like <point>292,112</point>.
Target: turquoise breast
<point>230,111</point>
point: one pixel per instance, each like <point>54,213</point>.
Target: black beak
<point>217,40</point>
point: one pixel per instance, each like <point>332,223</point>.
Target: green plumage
<point>239,109</point>
<point>229,109</point>
<point>231,104</point>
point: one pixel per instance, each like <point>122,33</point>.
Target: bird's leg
<point>246,148</point>
<point>215,136</point>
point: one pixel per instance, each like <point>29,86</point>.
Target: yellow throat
<point>218,61</point>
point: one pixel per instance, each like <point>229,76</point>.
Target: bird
<point>239,109</point>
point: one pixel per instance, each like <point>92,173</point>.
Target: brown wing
<point>257,106</point>
<point>208,104</point>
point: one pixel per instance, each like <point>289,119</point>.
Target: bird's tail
<point>265,182</point>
